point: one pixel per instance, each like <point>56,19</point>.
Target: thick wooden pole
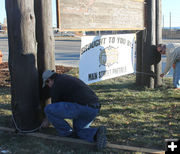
<point>45,40</point>
<point>22,63</point>
<point>158,67</point>
<point>150,40</point>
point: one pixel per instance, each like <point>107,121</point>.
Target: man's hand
<point>162,75</point>
<point>45,123</point>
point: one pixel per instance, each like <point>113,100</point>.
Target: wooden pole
<point>45,39</point>
<point>58,13</point>
<point>22,63</point>
<point>158,67</point>
<point>139,49</point>
<point>148,69</point>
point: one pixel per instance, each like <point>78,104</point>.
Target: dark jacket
<point>67,88</point>
<point>153,57</point>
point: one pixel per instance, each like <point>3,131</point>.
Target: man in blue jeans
<point>172,52</point>
<point>72,99</point>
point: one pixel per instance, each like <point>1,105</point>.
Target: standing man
<point>172,52</point>
<point>73,99</point>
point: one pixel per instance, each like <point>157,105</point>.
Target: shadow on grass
<point>5,106</point>
<point>145,122</point>
<point>138,116</point>
<point>131,138</point>
<point>141,134</point>
<point>4,90</point>
<point>6,121</point>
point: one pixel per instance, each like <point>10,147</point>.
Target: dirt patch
<point>5,76</point>
<point>62,69</point>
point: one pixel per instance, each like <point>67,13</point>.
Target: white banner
<point>105,57</point>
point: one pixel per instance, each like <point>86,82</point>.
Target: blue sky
<point>171,6</point>
<point>167,7</point>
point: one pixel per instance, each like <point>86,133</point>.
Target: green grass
<point>134,116</point>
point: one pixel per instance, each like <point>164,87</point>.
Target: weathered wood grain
<point>93,14</point>
<point>22,63</point>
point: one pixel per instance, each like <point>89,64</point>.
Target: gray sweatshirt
<point>172,54</point>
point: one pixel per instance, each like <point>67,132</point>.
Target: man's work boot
<point>101,138</point>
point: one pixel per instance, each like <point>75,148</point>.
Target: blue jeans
<point>176,75</point>
<point>82,117</point>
